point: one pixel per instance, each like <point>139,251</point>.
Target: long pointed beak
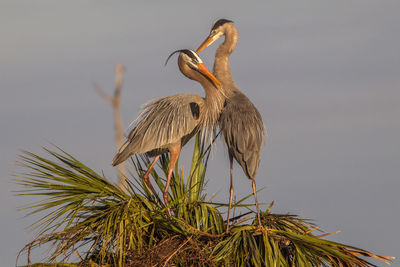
<point>209,40</point>
<point>203,69</point>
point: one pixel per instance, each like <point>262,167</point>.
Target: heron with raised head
<point>168,123</point>
<point>240,122</point>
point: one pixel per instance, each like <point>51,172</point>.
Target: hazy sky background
<point>325,75</point>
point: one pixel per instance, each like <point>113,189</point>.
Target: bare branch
<point>103,95</point>
<point>119,70</point>
<point>115,103</point>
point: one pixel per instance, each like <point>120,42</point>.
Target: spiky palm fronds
<point>88,208</point>
<point>130,227</point>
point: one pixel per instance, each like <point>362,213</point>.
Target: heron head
<point>189,60</point>
<point>217,30</point>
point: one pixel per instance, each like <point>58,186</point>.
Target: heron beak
<point>208,41</point>
<point>203,69</point>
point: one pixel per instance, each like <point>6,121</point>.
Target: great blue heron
<point>167,123</point>
<point>241,123</point>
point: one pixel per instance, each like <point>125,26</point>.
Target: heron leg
<point>174,150</point>
<point>230,192</point>
<point>146,176</point>
<point>253,182</point>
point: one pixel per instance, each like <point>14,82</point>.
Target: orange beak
<point>209,40</point>
<point>208,73</point>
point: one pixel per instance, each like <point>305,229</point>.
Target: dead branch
<point>115,101</point>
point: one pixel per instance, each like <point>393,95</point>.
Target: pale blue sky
<point>324,75</point>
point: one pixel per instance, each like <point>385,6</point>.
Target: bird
<point>168,123</point>
<point>241,123</point>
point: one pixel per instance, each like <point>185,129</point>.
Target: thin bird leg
<point>174,150</point>
<point>230,192</point>
<point>146,177</point>
<point>255,197</point>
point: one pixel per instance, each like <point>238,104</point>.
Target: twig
<point>176,251</point>
<point>103,95</point>
<point>115,103</point>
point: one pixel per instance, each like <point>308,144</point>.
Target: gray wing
<point>243,130</point>
<point>162,122</point>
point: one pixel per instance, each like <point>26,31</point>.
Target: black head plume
<point>220,22</point>
<point>188,52</point>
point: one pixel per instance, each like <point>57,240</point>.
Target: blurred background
<point>324,75</point>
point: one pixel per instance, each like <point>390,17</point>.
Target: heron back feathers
<point>162,122</point>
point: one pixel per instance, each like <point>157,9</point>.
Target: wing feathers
<point>243,131</point>
<point>163,121</point>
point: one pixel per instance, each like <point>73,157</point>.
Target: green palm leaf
<point>129,227</point>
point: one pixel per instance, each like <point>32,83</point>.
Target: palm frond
<point>129,227</point>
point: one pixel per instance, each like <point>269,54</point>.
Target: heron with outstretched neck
<point>168,123</point>
<point>240,122</point>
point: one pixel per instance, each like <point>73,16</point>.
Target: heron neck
<point>214,98</point>
<point>214,102</point>
<point>222,68</point>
